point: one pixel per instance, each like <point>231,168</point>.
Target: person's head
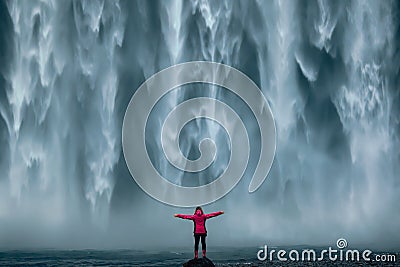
<point>198,211</point>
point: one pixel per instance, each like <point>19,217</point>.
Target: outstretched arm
<point>213,214</point>
<point>184,216</point>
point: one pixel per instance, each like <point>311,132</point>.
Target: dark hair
<point>199,208</point>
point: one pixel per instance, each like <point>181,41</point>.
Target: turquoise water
<point>220,257</point>
<point>114,257</point>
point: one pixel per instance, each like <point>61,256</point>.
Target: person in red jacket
<point>200,232</point>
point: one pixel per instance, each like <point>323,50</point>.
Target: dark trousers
<point>197,238</point>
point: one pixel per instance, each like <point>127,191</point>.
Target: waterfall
<point>60,109</point>
<point>328,69</point>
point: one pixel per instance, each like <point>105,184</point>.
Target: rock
<point>200,262</point>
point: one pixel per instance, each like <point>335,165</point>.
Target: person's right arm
<point>184,216</point>
<point>213,214</point>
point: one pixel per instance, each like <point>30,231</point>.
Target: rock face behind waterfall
<point>201,262</point>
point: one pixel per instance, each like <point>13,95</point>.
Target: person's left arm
<point>184,216</point>
<point>214,214</point>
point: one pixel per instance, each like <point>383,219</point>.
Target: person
<point>199,232</point>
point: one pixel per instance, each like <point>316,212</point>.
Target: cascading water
<point>329,71</point>
<point>61,88</point>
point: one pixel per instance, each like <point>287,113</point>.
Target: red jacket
<point>199,221</point>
